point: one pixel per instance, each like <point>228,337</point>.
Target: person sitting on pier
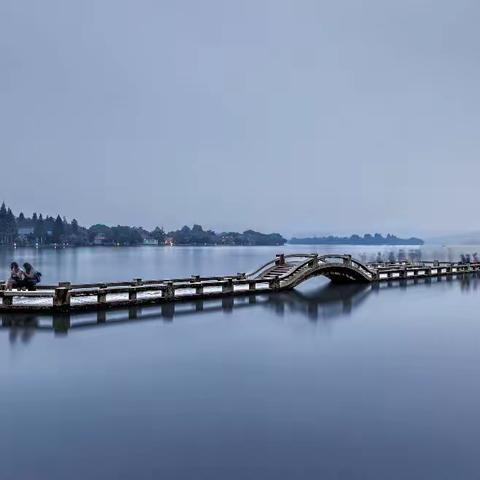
<point>17,276</point>
<point>31,276</point>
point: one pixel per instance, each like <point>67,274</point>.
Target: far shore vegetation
<point>39,230</point>
<point>366,239</point>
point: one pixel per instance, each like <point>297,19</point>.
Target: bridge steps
<point>278,271</point>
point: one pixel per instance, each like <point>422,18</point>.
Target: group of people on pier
<point>466,258</point>
<point>26,277</point>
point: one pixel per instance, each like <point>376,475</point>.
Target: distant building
<point>25,231</point>
<point>150,241</point>
<point>147,238</point>
<point>101,239</point>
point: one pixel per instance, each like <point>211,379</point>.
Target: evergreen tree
<point>58,230</point>
<point>49,224</point>
<point>8,226</point>
<point>3,224</point>
<point>39,228</point>
<point>74,226</point>
<point>11,227</point>
<point>159,235</point>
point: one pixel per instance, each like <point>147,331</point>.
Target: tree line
<point>48,230</point>
<point>198,236</point>
<point>367,239</point>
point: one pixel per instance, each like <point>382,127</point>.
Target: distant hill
<point>367,239</point>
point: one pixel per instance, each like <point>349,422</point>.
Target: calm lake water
<point>344,382</point>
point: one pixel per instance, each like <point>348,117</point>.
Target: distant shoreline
<point>63,246</point>
<point>288,244</point>
<point>360,244</point>
<point>367,239</point>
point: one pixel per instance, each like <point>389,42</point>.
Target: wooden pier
<point>285,272</point>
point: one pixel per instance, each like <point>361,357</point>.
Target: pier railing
<point>96,295</point>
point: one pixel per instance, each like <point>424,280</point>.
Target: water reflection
<point>324,304</point>
<point>21,330</point>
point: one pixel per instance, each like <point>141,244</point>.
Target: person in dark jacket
<point>17,276</point>
<point>31,276</point>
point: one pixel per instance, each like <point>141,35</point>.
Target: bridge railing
<point>420,264</point>
<point>309,261</point>
<point>350,261</point>
<point>98,295</point>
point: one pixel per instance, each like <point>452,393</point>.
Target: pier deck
<point>285,272</point>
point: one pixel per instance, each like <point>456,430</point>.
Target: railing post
<point>61,298</point>
<point>132,291</point>
<point>313,262</point>
<point>274,284</point>
<point>347,260</point>
<point>5,300</point>
<point>228,287</point>
<point>102,294</point>
<point>169,293</point>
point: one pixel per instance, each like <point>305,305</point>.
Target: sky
<point>303,117</point>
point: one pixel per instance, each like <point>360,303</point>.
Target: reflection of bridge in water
<point>324,304</point>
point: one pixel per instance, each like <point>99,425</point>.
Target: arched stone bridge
<point>291,270</point>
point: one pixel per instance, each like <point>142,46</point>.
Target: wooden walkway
<point>283,273</point>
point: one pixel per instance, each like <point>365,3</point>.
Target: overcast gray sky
<point>293,116</point>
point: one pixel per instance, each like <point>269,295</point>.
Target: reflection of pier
<point>320,305</point>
